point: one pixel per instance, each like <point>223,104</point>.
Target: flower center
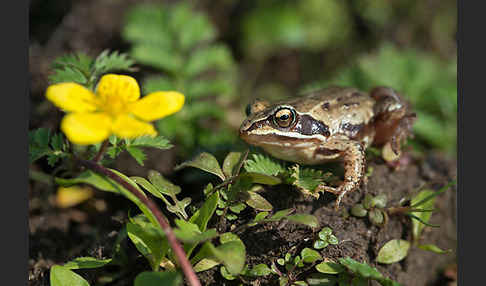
<point>113,105</point>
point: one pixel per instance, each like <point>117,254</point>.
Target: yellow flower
<point>115,108</point>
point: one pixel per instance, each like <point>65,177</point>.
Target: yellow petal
<point>114,87</point>
<point>86,128</point>
<point>72,97</point>
<point>157,105</point>
<point>71,196</point>
<point>125,126</point>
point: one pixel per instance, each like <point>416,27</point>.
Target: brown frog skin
<point>330,124</point>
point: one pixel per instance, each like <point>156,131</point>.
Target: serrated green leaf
<point>308,179</point>
<point>137,154</point>
<point>211,57</point>
<point>86,262</point>
<point>158,278</point>
<point>61,276</point>
<point>112,61</point>
<point>205,162</point>
<point>217,86</point>
<point>159,142</point>
<point>306,219</point>
<point>393,251</point>
<point>263,165</point>
<point>156,57</point>
<point>153,84</point>
<point>68,74</point>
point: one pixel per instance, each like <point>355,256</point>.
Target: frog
<point>330,124</point>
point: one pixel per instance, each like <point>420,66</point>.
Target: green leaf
<point>106,184</point>
<point>112,61</point>
<point>158,279</point>
<point>205,264</point>
<point>231,163</point>
<point>71,68</point>
<point>320,244</point>
<point>61,276</point>
<point>310,255</point>
<point>258,202</point>
<point>380,201</point>
<point>137,154</point>
<point>225,273</point>
<point>393,251</point>
<point>325,233</point>
<point>332,239</point>
<point>86,262</point>
<point>157,83</point>
<point>162,184</point>
<point>281,214</point>
<point>330,268</point>
<point>159,142</point>
<point>306,219</point>
<point>361,269</point>
<point>232,255</point>
<point>202,216</point>
<point>417,225</point>
<point>190,233</point>
<point>263,165</point>
<point>157,57</point>
<point>433,248</point>
<point>149,240</point>
<point>320,279</point>
<point>211,57</point>
<point>358,210</point>
<point>376,216</point>
<point>237,208</point>
<point>192,27</point>
<point>263,179</point>
<point>308,179</point>
<point>205,162</point>
<point>259,270</point>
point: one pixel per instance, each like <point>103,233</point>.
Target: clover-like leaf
<point>393,251</point>
<point>259,270</point>
<point>205,162</point>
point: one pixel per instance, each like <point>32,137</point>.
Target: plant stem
<point>176,247</point>
<point>102,150</point>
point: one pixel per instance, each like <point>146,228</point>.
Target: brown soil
<point>57,235</point>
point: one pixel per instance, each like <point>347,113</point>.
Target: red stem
<point>98,156</point>
<point>176,247</point>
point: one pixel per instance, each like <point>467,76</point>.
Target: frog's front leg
<point>353,155</point>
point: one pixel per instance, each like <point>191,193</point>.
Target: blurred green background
<point>224,53</point>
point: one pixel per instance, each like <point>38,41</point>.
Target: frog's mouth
<point>278,140</point>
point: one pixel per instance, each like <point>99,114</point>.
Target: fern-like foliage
<point>85,70</point>
<point>42,143</point>
<point>262,164</point>
<point>178,41</point>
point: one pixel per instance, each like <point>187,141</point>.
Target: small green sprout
<point>373,207</point>
<point>325,238</point>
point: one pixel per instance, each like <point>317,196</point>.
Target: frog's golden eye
<point>284,117</point>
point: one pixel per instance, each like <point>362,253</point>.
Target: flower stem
<point>101,152</point>
<point>176,247</point>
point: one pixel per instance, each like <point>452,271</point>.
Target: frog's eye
<point>284,117</point>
